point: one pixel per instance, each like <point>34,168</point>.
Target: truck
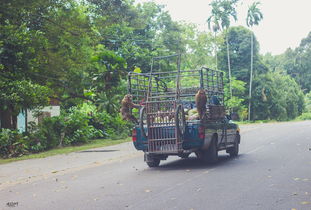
<point>167,125</point>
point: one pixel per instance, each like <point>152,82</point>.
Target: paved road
<point>273,171</point>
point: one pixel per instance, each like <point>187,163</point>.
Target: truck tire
<point>154,162</point>
<point>211,154</point>
<point>180,120</point>
<point>184,155</point>
<point>142,117</point>
<point>234,151</point>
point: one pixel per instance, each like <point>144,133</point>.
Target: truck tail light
<point>201,132</point>
<point>134,135</point>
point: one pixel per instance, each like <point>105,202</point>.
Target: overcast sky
<point>285,22</point>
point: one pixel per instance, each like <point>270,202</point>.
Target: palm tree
<point>222,11</point>
<point>254,16</point>
<point>213,20</point>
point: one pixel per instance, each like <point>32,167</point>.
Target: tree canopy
<point>77,51</point>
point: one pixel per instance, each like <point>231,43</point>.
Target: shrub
<point>76,126</point>
<point>12,143</point>
<point>305,116</point>
<point>114,126</point>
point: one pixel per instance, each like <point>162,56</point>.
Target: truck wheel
<point>234,151</point>
<point>199,154</point>
<point>142,118</point>
<point>211,154</point>
<point>154,162</point>
<point>184,155</point>
<point>180,120</point>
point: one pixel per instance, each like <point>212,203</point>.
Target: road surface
<point>273,171</point>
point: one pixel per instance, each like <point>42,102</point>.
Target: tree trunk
<point>216,57</point>
<point>7,119</point>
<point>229,66</point>
<point>251,78</point>
<point>61,140</point>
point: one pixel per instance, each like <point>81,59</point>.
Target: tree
<point>254,16</point>
<point>18,61</point>
<point>236,102</point>
<point>297,63</point>
<point>199,47</point>
<point>239,41</point>
<point>222,11</point>
<point>213,24</point>
<point>19,95</point>
<point>276,96</point>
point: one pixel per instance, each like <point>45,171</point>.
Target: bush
<point>276,97</point>
<point>46,135</point>
<point>305,116</point>
<point>12,143</point>
<point>114,126</point>
<point>77,126</point>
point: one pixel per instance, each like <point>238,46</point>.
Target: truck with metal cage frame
<point>165,128</point>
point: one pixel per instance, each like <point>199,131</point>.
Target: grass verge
<point>65,150</point>
<point>246,122</point>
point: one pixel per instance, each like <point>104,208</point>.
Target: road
<point>273,171</point>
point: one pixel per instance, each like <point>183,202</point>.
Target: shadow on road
<point>99,150</point>
<point>194,163</point>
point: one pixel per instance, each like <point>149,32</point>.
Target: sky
<point>285,22</point>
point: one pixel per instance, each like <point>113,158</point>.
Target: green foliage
<point>80,52</point>
<point>297,63</point>
<point>254,15</point>
<point>12,143</point>
<point>200,47</point>
<point>77,126</point>
<point>222,11</point>
<point>305,116</point>
<point>307,111</point>
<point>308,102</point>
<point>276,96</point>
<point>240,54</point>
<point>236,102</point>
<point>22,94</point>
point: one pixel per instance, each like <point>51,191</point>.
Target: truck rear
<point>168,120</point>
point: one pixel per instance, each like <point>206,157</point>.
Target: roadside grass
<point>300,118</point>
<point>65,150</point>
<point>246,122</point>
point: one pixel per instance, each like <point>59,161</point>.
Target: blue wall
<point>21,121</point>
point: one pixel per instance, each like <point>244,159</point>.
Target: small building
<point>28,116</point>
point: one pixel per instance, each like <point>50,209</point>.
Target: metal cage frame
<point>165,94</point>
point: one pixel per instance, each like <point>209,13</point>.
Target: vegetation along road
<point>273,171</point>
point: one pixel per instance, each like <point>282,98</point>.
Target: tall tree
<point>254,16</point>
<point>222,12</point>
<point>239,41</point>
<point>297,63</point>
<point>213,24</point>
<point>276,96</point>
